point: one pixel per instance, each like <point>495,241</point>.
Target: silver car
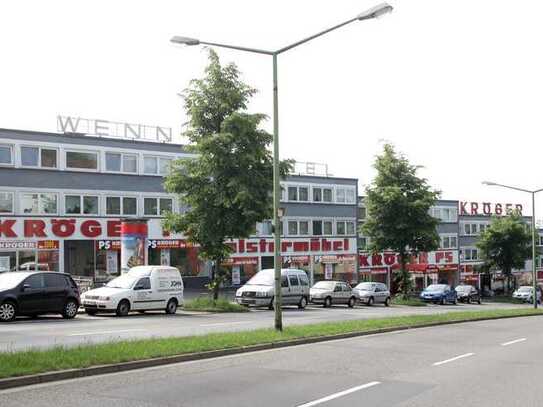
<point>332,292</point>
<point>372,293</point>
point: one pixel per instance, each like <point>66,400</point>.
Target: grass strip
<point>209,305</point>
<point>412,302</point>
<point>19,363</point>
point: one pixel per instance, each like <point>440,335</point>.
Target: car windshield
<point>524,289</point>
<point>124,281</point>
<point>325,285</point>
<point>264,277</point>
<point>11,280</point>
<point>365,287</point>
<point>436,287</point>
<point>463,288</point>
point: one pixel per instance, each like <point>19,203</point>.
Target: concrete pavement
<point>46,332</point>
<point>488,363</point>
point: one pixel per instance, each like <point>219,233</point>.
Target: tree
<point>506,244</point>
<point>226,187</point>
<point>398,204</point>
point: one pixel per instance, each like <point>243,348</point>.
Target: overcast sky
<point>456,85</point>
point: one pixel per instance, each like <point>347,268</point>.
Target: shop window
<point>6,202</point>
<point>6,154</point>
<point>48,260</point>
<point>8,261</point>
<point>26,260</point>
<point>81,160</point>
<point>292,227</point>
<point>45,203</point>
<point>38,157</point>
<point>75,203</point>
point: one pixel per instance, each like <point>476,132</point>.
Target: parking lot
<point>50,331</point>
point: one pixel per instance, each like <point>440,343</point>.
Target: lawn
<point>20,363</point>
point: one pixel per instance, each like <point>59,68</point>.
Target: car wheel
<point>387,302</point>
<point>171,307</point>
<point>352,302</point>
<point>90,312</point>
<point>468,300</point>
<point>442,302</point>
<point>270,306</point>
<point>455,302</point>
<point>123,308</point>
<point>370,301</point>
<point>70,309</point>
<point>327,302</point>
<point>8,311</point>
<point>303,303</point>
<point>479,301</point>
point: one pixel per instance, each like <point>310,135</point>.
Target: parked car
<point>332,292</point>
<point>525,293</point>
<point>468,294</point>
<point>372,293</point>
<point>439,293</point>
<point>259,290</point>
<point>142,288</point>
<point>37,293</point>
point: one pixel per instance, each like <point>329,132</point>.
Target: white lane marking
<point>105,332</point>
<point>465,355</point>
<point>514,341</point>
<point>229,323</point>
<point>340,394</point>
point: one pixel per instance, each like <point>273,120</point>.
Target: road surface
<point>489,363</point>
<point>45,332</point>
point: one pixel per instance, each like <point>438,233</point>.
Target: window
<point>448,242</point>
<point>317,227</point>
<point>74,204</point>
<point>350,228</point>
<point>292,193</point>
<point>6,156</point>
<point>340,195</point>
<point>340,228</point>
<point>120,162</point>
<point>38,157</point>
<point>351,198</point>
<point>303,280</point>
<point>35,282</point>
<point>125,206</point>
<point>445,214</point>
<point>39,203</point>
<point>317,195</point>
<point>303,193</point>
<point>362,243</point>
<point>156,165</point>
<point>292,227</point>
<point>470,254</point>
<point>53,280</point>
<point>6,202</point>
<point>157,206</point>
<point>143,284</point>
<point>327,194</point>
<point>327,227</point>
<point>293,281</point>
<point>362,213</point>
<point>81,160</point>
<point>471,229</point>
<point>345,195</point>
<point>304,227</point>
<point>264,228</point>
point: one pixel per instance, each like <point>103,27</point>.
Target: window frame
<point>123,154</point>
<point>40,160</point>
<point>157,158</point>
<point>121,205</point>
<point>40,204</point>
<point>158,205</point>
<point>12,193</point>
<point>82,204</point>
<point>11,154</point>
<point>70,150</point>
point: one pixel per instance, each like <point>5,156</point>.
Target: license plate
<point>89,303</point>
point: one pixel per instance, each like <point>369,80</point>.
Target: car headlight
<point>238,293</point>
<point>103,298</point>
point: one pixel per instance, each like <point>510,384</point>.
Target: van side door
<point>142,298</point>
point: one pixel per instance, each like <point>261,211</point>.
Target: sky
<point>457,86</point>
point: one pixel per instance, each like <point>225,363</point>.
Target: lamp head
<point>375,12</point>
<point>184,40</point>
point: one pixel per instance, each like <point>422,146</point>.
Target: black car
<point>468,293</point>
<point>35,293</point>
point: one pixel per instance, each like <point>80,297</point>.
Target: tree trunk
<point>216,279</point>
<point>404,276</point>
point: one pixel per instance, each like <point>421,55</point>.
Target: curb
<point>40,378</point>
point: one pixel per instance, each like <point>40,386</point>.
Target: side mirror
<point>26,287</point>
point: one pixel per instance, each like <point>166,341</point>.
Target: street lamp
<point>371,13</point>
<point>534,272</point>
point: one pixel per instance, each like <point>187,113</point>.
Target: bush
<point>210,305</point>
<point>410,301</point>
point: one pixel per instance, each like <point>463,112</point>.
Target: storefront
<point>426,268</point>
<point>320,258</point>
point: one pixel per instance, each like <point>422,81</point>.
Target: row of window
<point>469,254</point>
<point>47,203</point>
<point>445,214</point>
<point>117,162</point>
<point>473,229</point>
<point>315,227</point>
<point>307,193</point>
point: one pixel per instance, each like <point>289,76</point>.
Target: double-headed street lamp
<point>534,272</point>
<point>373,12</point>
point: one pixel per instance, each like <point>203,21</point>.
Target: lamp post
<point>371,13</point>
<point>534,272</point>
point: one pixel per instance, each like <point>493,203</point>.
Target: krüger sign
<point>487,208</point>
<point>438,260</point>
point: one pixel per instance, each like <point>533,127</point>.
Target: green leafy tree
<point>226,187</point>
<point>398,204</point>
<point>506,244</point>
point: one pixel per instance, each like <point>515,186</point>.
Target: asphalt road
<point>489,363</point>
<point>45,332</point>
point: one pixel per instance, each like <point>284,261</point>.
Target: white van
<point>258,291</point>
<point>143,288</point>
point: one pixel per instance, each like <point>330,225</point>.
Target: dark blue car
<point>438,293</point>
